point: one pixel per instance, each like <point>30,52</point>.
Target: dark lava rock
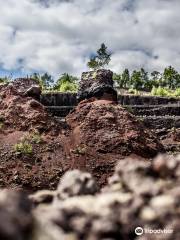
<point>97,84</point>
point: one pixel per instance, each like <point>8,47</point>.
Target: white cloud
<point>58,36</point>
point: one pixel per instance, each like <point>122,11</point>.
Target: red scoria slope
<point>99,134</point>
<point>23,120</point>
<point>102,132</point>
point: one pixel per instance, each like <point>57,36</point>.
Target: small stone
<point>148,214</point>
<point>163,201</point>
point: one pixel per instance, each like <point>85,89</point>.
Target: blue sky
<point>58,36</point>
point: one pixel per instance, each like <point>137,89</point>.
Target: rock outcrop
<point>30,146</point>
<point>27,87</point>
<point>101,131</point>
<point>98,84</point>
<point>19,110</point>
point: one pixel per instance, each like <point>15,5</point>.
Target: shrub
<point>23,148</point>
<point>36,138</point>
<point>133,91</point>
<point>160,91</point>
<point>177,92</point>
<point>68,87</point>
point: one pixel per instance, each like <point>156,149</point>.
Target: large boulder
<point>97,84</point>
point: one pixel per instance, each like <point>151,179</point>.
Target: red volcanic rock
<point>23,113</point>
<point>108,128</point>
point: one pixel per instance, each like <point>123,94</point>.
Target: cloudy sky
<point>58,36</point>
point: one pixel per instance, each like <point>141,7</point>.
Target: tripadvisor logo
<point>139,231</point>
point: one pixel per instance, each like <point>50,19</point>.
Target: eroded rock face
<point>27,87</point>
<point>98,84</point>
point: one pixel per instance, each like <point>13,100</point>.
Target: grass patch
<point>23,148</point>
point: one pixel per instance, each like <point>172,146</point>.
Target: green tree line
<point>142,80</point>
<point>138,80</point>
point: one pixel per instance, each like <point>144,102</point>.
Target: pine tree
<point>101,59</point>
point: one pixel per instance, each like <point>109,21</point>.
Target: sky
<point>58,36</point>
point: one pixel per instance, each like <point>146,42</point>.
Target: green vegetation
<point>23,148</point>
<point>136,82</point>
<point>165,92</point>
<point>159,84</point>
<point>160,91</point>
<point>45,80</point>
<point>101,59</point>
<point>133,91</point>
<point>35,138</point>
<point>4,80</point>
<point>66,83</point>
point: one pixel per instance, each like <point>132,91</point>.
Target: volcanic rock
<point>21,112</point>
<point>15,215</point>
<point>118,209</point>
<point>108,128</point>
<point>30,147</point>
<point>101,133</point>
<point>138,194</point>
<point>98,84</point>
<point>27,87</point>
<point>75,183</point>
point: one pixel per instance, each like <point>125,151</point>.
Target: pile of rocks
<point>27,87</point>
<point>139,194</point>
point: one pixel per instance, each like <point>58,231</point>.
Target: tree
<point>118,79</point>
<point>93,63</point>
<point>144,75</point>
<point>125,78</point>
<point>66,83</point>
<point>171,77</point>
<point>101,59</point>
<point>45,80</point>
<point>136,80</point>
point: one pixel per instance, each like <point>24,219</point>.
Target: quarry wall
<point>69,99</point>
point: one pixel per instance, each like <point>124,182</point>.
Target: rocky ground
<point>36,149</point>
<point>92,201</point>
<point>139,194</point>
